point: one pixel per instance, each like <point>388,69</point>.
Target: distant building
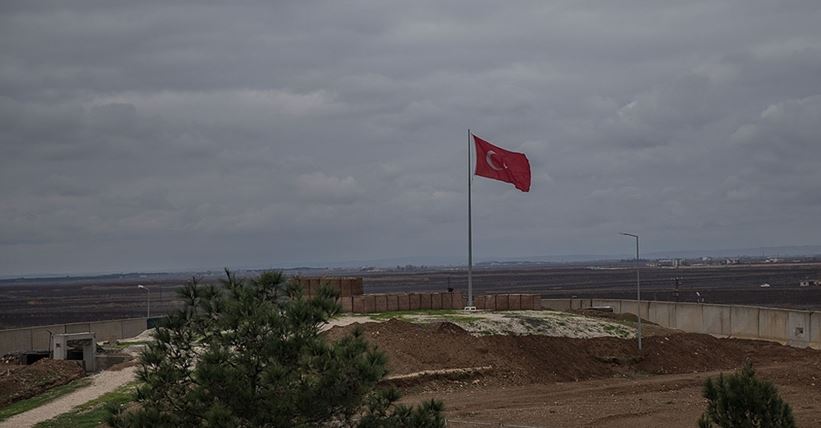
<point>809,282</point>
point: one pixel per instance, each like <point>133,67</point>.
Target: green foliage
<point>742,400</point>
<point>93,413</point>
<point>249,353</point>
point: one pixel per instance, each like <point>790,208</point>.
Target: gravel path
<point>101,383</point>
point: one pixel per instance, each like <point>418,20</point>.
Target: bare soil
<point>555,381</point>
<point>21,382</point>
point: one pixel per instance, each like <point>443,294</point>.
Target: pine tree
<point>249,354</point>
<point>742,400</point>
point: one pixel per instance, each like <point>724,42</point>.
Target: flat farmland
<point>28,302</point>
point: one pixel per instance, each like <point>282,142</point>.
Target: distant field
<point>48,301</point>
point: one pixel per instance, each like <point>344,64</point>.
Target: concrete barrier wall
<point>689,317</point>
<point>367,303</point>
<point>744,321</point>
<point>37,338</point>
<point>716,319</point>
<point>792,327</point>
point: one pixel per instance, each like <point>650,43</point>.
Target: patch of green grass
<point>448,314</point>
<point>93,413</point>
<point>39,400</point>
<point>123,345</point>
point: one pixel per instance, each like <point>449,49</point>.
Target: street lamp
<point>638,286</point>
<point>148,307</point>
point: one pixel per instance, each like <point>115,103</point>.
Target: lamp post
<point>638,287</point>
<point>148,307</point>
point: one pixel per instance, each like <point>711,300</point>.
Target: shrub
<point>742,400</point>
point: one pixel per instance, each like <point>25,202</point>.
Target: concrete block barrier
<point>490,302</point>
<point>380,302</point>
<point>502,302</point>
<point>447,300</point>
<point>393,302</point>
<point>404,302</point>
<point>425,301</point>
<point>479,302</point>
<point>358,303</point>
<point>415,301</point>
<point>458,300</point>
<point>346,303</point>
<point>792,327</point>
<point>435,301</point>
<point>514,302</point>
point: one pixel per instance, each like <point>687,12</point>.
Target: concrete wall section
<point>689,317</point>
<point>662,314</point>
<point>716,319</point>
<point>772,324</point>
<point>815,330</point>
<point>798,328</point>
<point>38,338</point>
<point>107,330</point>
<point>133,327</point>
<point>615,304</point>
<point>744,321</point>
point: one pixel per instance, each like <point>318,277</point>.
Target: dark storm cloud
<point>160,136</point>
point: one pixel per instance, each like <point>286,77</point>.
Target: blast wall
<point>787,326</point>
<point>37,338</point>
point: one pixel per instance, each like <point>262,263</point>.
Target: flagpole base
<point>470,308</point>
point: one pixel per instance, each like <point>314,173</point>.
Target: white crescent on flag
<point>489,159</point>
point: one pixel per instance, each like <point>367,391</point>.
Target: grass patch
<point>123,345</point>
<point>447,314</point>
<point>93,413</point>
<point>38,400</point>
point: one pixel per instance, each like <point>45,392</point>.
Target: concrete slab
<point>346,303</point>
<point>415,301</point>
<point>458,300</point>
<point>744,321</point>
<point>514,302</point>
<point>447,302</point>
<point>557,304</point>
<point>380,302</point>
<point>109,330</point>
<point>772,324</point>
<point>358,304</point>
<point>502,302</point>
<point>81,327</point>
<point>425,301</point>
<point>615,304</point>
<point>717,319</point>
<point>134,326</point>
<point>815,330</point>
<point>798,328</point>
<point>403,302</point>
<point>435,301</point>
<point>393,302</point>
<point>490,302</point>
<point>689,317</point>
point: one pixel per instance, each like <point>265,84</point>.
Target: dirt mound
<point>526,359</point>
<point>28,381</point>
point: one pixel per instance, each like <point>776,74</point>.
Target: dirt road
<point>102,383</point>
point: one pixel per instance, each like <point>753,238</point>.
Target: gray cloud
<point>156,136</point>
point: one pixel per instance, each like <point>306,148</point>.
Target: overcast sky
<point>139,136</point>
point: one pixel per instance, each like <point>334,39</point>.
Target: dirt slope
<point>541,359</point>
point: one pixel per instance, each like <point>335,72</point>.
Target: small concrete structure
<point>62,342</point>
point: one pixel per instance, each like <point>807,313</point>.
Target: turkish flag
<point>500,164</point>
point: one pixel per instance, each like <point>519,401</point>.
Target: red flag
<point>500,164</point>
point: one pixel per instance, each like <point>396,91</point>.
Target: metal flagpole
<point>470,305</point>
